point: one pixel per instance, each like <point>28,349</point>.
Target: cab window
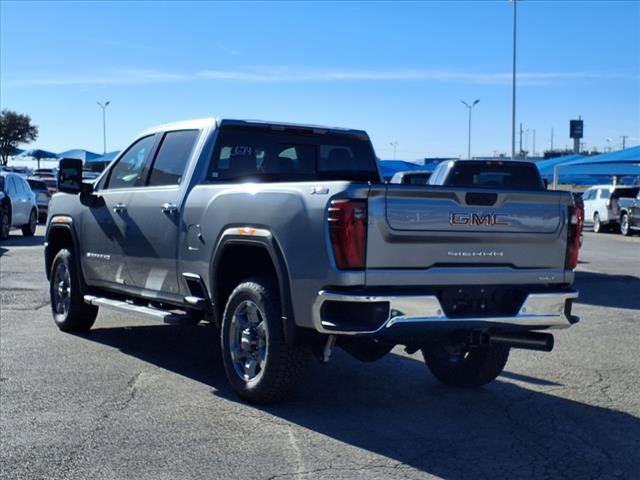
<point>128,171</point>
<point>172,157</point>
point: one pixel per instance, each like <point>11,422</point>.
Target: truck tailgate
<point>417,227</point>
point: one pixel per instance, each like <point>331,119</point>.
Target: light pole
<point>470,107</point>
<point>394,145</point>
<point>104,106</point>
<point>513,89</point>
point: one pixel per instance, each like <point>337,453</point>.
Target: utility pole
<point>520,154</point>
<point>394,145</point>
<point>533,150</point>
<point>552,139</point>
<point>104,106</point>
<point>513,92</point>
<point>470,107</point>
<point>624,141</point>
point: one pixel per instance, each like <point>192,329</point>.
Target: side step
<point>137,310</point>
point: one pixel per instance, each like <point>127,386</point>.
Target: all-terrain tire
<point>70,312</point>
<point>282,365</point>
<point>5,223</point>
<point>473,368</point>
<point>625,227</point>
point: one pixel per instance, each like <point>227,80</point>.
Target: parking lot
<point>140,400</point>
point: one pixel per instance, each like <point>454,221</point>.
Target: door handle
<point>119,208</point>
<point>169,208</point>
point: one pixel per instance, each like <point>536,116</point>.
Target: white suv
<point>600,210</point>
<point>18,207</point>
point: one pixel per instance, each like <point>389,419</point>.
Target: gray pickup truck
<point>285,237</point>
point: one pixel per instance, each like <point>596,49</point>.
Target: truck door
<point>105,221</point>
<point>154,216</point>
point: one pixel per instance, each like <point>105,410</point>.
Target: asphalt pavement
<point>134,399</point>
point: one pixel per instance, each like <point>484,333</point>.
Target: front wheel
<point>260,365</point>
<point>69,310</point>
<point>625,228</point>
<point>461,366</point>
<point>29,229</point>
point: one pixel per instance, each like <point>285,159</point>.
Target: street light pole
<point>394,145</point>
<point>513,89</point>
<point>104,106</point>
<point>469,106</point>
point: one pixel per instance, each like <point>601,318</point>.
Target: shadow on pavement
<point>395,409</point>
<point>19,240</point>
<point>618,291</point>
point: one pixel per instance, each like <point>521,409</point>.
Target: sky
<point>397,70</point>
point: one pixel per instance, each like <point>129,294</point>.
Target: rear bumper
<point>416,314</point>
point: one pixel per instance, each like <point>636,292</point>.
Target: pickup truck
<point>628,202</point>
<point>285,237</point>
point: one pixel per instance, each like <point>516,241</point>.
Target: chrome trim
<point>538,310</point>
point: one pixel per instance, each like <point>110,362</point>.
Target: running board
<point>137,310</point>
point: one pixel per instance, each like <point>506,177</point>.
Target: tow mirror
<point>70,175</point>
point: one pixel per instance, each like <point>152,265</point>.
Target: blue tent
<point>99,163</point>
<point>545,167</point>
<point>628,155</point>
<point>80,154</point>
<point>602,168</point>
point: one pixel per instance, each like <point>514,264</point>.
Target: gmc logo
<point>477,219</point>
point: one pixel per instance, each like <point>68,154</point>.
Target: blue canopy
<point>80,154</point>
<point>601,168</point>
<point>38,154</point>
<point>545,167</point>
<point>628,155</point>
<point>106,158</point>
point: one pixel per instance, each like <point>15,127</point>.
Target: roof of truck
<point>218,122</point>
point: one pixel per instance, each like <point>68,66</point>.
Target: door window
<point>128,171</point>
<point>172,157</point>
<point>11,189</point>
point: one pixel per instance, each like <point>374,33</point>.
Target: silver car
<point>18,207</point>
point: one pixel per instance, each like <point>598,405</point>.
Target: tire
<point>260,366</point>
<point>5,224</point>
<point>465,368</point>
<point>29,230</point>
<point>625,228</point>
<point>69,311</point>
<point>597,226</point>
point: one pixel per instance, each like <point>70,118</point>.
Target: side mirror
<point>70,176</point>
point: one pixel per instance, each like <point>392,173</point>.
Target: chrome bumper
<point>538,311</point>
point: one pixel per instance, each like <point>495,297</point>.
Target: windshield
<point>498,175</point>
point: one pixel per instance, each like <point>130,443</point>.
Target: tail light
<point>576,221</point>
<point>348,231</point>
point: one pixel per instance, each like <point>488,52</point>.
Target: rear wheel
<point>460,366</point>
<point>625,228</point>
<point>29,229</point>
<point>69,310</point>
<point>5,224</point>
<point>260,365</point>
<point>597,226</point>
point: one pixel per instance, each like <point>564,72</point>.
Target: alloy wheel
<point>248,337</point>
<point>61,291</point>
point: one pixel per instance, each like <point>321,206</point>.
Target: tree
<point>15,129</point>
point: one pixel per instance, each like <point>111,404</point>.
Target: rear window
<point>37,184</point>
<point>416,178</point>
<point>516,176</point>
<point>273,156</point>
<point>625,192</point>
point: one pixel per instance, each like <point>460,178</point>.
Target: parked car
<point>18,205</point>
<point>601,208</point>
<point>43,197</point>
<point>287,239</point>
<point>44,172</point>
<point>412,177</point>
<point>22,171</point>
<point>629,206</point>
<point>49,181</point>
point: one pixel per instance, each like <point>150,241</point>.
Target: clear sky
<point>397,70</point>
